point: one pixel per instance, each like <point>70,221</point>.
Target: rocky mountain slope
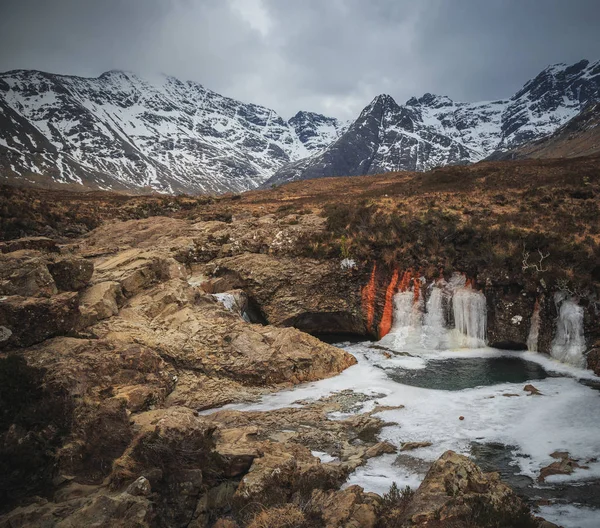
<point>123,131</point>
<point>435,131</point>
<point>578,137</point>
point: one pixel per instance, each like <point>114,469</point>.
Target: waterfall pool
<point>456,374</point>
<point>503,427</point>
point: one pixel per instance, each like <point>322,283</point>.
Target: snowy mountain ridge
<point>433,130</point>
<point>123,131</point>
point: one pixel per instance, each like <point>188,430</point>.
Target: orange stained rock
<point>417,287</point>
<point>405,282</point>
<point>368,299</point>
<point>385,325</point>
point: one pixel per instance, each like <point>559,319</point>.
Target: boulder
<point>173,450</point>
<point>409,446</point>
<point>25,273</point>
<point>564,465</point>
<point>137,269</point>
<point>25,321</point>
<point>100,301</point>
<point>351,507</point>
<point>101,510</point>
<point>194,332</point>
<point>455,492</point>
<point>71,273</point>
<point>100,369</point>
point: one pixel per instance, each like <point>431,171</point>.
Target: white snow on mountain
<point>158,133</point>
<point>434,130</point>
<point>126,132</point>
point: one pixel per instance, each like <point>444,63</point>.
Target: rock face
<point>72,273</point>
<point>433,130</point>
<point>456,492</point>
<point>25,321</point>
<point>303,293</point>
<point>124,131</point>
<point>315,130</point>
<point>26,273</point>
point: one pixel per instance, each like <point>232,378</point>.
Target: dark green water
<point>464,373</point>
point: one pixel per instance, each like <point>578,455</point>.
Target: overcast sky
<point>329,56</point>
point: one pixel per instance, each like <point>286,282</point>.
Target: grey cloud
<point>331,56</point>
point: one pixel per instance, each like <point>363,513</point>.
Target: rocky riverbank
<point>115,334</point>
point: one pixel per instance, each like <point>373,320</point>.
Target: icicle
<point>534,328</point>
<point>406,329</point>
<point>568,345</point>
<point>470,318</point>
<point>419,325</point>
<point>434,331</point>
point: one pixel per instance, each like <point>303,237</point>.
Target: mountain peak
<point>382,104</point>
<point>383,99</point>
<point>431,100</point>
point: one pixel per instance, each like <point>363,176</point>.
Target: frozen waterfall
<point>534,329</point>
<point>568,345</point>
<point>470,318</point>
<point>418,324</point>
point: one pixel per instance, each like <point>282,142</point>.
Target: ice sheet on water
<point>564,418</point>
<point>379,473</point>
<point>323,457</point>
<point>571,516</point>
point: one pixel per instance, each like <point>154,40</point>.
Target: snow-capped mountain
<point>123,131</point>
<point>316,131</point>
<point>434,130</point>
<point>126,132</point>
<point>580,136</point>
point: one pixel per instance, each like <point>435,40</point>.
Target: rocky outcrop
<point>146,348</point>
<point>25,273</point>
<point>25,321</point>
<point>456,492</point>
<point>35,243</point>
<point>100,301</point>
<point>71,273</point>
<point>136,270</point>
<point>314,296</point>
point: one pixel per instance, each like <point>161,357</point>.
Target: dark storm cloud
<point>331,56</point>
